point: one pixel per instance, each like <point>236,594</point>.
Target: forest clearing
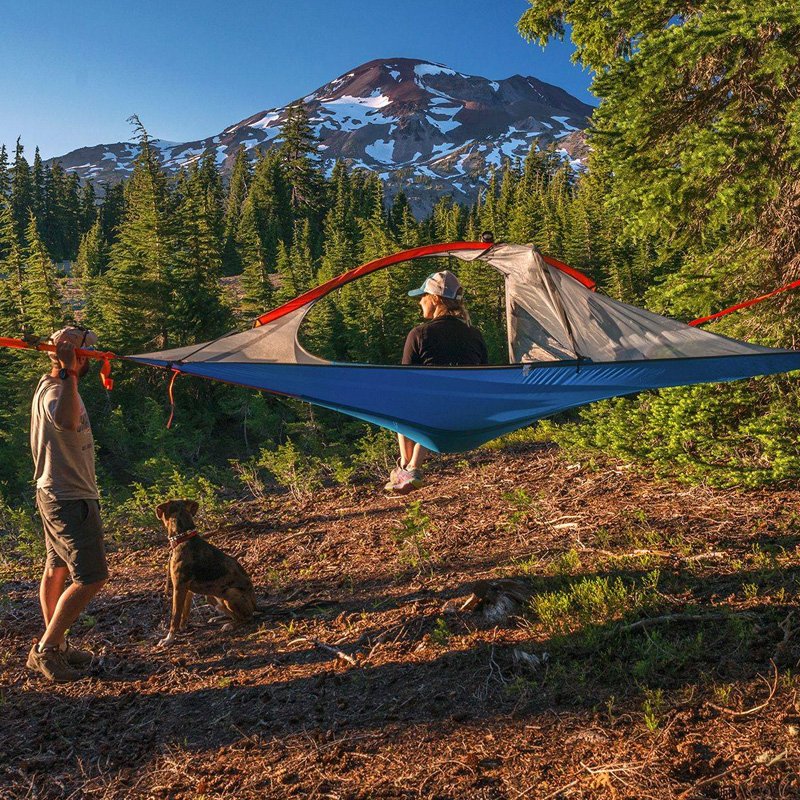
<point>565,330</point>
<point>649,648</point>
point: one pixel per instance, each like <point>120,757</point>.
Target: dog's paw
<point>167,641</point>
<point>228,626</point>
<point>219,618</point>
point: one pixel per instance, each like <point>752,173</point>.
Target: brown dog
<point>196,566</point>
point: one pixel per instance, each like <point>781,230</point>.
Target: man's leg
<point>68,608</point>
<point>50,589</point>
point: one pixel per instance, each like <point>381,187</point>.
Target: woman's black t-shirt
<point>445,342</point>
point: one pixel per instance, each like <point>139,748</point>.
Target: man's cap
<point>80,337</point>
<point>444,284</point>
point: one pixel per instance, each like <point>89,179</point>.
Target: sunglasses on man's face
<point>86,332</point>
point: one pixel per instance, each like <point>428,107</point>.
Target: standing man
<point>68,503</point>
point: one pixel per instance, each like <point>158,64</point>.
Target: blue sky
<point>72,73</point>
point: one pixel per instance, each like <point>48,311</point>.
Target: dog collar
<point>174,541</point>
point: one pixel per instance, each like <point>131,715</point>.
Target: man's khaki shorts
<point>73,534</point>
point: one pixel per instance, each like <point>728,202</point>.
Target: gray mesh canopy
<point>551,316</point>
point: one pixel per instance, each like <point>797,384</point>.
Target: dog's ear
<point>192,506</point>
<point>162,510</point>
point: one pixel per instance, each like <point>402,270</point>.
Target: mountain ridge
<point>425,128</point>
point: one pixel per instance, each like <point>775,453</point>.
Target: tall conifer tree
<point>237,194</point>
<point>43,309</point>
<point>135,291</point>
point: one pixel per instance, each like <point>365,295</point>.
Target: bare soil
<point>367,677</point>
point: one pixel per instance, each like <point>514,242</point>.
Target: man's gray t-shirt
<point>63,460</point>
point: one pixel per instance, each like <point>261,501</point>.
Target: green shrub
<point>301,474</point>
<point>21,536</point>
<point>411,534</point>
<point>593,601</point>
<point>139,508</point>
<point>375,452</point>
<point>745,433</point>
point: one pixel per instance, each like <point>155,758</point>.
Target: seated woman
<point>445,339</point>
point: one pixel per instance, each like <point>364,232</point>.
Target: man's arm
<point>67,412</point>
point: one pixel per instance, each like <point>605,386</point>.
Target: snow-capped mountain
<point>425,128</point>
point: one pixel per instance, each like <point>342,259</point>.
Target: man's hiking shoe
<point>53,665</point>
<point>405,481</point>
<point>75,657</point>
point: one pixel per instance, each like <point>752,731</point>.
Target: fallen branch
<point>701,556</point>
<point>712,779</point>
<point>755,709</point>
<point>115,604</point>
<point>322,646</point>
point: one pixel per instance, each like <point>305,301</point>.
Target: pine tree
<point>698,127</point>
<point>21,192</point>
<point>296,265</point>
<point>324,330</point>
<point>90,265</point>
<point>258,242</point>
<point>298,155</point>
<point>134,295</point>
<point>198,311</point>
<point>237,193</point>
<point>112,210</point>
<point>43,310</point>
<point>87,203</point>
<point>5,177</point>
<point>13,290</point>
<point>404,227</point>
<point>92,260</point>
<point>697,124</point>
<point>38,188</point>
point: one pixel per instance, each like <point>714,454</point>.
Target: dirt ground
<point>534,628</point>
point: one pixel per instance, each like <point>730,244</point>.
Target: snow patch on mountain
<point>381,151</point>
<point>267,120</point>
<point>433,69</point>
<point>564,124</point>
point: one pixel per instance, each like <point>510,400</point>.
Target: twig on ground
<point>755,709</point>
<point>552,794</point>
<point>712,779</point>
<point>335,650</point>
<point>114,604</point>
<point>701,556</point>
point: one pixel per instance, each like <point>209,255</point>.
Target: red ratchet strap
<point>105,369</point>
<point>175,373</point>
<point>746,304</point>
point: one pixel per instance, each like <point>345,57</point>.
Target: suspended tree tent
<point>568,346</point>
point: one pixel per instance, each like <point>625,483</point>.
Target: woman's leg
<point>406,449</point>
<point>419,455</point>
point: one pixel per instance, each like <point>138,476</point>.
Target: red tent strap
<point>406,255</point>
<point>175,373</point>
<point>746,304</point>
<point>97,355</point>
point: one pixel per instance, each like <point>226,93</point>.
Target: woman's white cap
<point>444,284</point>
